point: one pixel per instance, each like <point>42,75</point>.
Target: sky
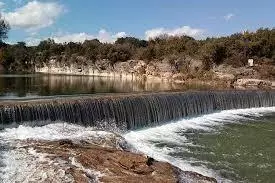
<point>77,20</point>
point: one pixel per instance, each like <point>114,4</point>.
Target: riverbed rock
<point>167,75</point>
<point>224,76</point>
<point>179,78</point>
<point>253,82</point>
<point>86,162</point>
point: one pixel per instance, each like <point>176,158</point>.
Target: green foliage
<point>18,57</point>
<point>119,53</point>
<point>91,49</point>
<point>213,53</point>
<point>147,54</point>
<point>132,41</point>
<point>4,29</point>
<point>232,50</point>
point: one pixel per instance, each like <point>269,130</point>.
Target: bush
<point>232,50</point>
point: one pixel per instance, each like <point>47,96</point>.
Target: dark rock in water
<point>66,142</point>
<point>150,161</point>
<point>93,163</point>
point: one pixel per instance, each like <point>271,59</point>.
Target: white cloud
<point>185,30</point>
<point>76,37</point>
<point>120,34</point>
<point>30,41</point>
<point>34,15</point>
<point>108,37</point>
<point>229,16</point>
<point>102,36</point>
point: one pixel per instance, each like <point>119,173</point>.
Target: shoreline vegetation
<point>182,59</point>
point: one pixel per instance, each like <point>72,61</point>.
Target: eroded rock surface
<point>59,153</point>
<point>82,161</point>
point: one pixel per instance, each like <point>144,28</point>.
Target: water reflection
<point>14,86</point>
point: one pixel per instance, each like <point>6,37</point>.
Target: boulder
<point>253,82</point>
<point>167,75</point>
<point>225,76</point>
<point>179,77</point>
<point>85,161</point>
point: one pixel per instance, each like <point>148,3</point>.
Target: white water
<point>21,162</point>
<point>151,141</point>
<point>26,165</point>
<point>55,131</point>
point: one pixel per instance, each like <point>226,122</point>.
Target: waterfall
<point>130,112</point>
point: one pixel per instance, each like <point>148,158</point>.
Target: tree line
<point>231,50</point>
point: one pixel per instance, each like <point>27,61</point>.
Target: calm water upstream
<point>37,85</point>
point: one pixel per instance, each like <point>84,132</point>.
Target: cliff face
<point>180,71</point>
<point>131,69</point>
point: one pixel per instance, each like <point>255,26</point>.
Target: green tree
<point>132,41</point>
<point>4,29</point>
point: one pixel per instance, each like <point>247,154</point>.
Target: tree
<point>90,49</point>
<point>4,29</point>
<point>132,41</point>
<point>120,53</point>
<point>213,53</point>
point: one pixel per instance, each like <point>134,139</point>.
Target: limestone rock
<point>167,75</point>
<point>179,76</point>
<point>225,76</point>
<point>253,82</point>
<point>140,67</point>
<point>87,162</point>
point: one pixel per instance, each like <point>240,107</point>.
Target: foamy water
<point>55,131</point>
<point>162,141</point>
<point>26,165</point>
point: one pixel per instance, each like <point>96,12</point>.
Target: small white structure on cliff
<point>250,62</point>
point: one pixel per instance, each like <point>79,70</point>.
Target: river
<point>236,145</point>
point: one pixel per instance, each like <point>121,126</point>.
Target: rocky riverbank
<point>100,158</point>
<point>132,69</point>
<point>180,73</point>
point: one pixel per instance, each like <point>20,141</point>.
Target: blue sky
<point>77,20</point>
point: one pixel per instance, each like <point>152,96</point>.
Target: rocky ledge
<point>85,161</point>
